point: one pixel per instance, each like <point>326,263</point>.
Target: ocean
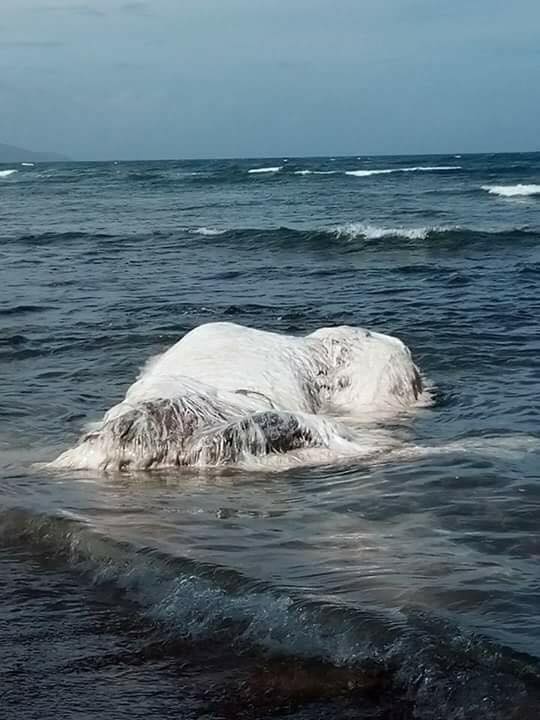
<point>407,588</point>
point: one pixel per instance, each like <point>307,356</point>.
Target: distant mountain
<point>11,154</point>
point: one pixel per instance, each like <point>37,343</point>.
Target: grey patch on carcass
<point>259,434</point>
<point>154,432</point>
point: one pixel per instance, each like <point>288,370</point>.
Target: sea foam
<point>6,173</point>
<point>388,171</point>
<point>512,190</point>
<point>207,231</point>
<point>275,169</point>
<point>373,232</point>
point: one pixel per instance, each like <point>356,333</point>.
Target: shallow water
<point>407,588</point>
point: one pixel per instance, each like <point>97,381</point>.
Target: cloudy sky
<point>118,79</point>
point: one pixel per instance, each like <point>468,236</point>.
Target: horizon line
<point>282,156</point>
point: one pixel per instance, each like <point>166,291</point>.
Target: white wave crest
<point>7,173</point>
<point>227,394</point>
<point>512,190</point>
<point>27,164</point>
<point>368,173</point>
<point>388,171</point>
<point>206,231</point>
<point>373,232</point>
<point>275,169</point>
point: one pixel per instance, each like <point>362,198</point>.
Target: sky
<point>157,79</point>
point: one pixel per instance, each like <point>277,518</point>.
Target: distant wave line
<point>346,231</point>
<point>388,171</point>
<point>355,173</point>
<point>363,231</point>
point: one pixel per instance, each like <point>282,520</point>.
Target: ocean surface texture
<point>407,588</point>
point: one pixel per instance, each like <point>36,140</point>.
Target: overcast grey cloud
<point>206,78</point>
<point>32,43</point>
<point>136,7</point>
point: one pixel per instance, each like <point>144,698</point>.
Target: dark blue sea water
<point>406,589</point>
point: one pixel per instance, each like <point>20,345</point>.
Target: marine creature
<point>226,393</point>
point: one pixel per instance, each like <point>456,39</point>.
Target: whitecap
<point>519,190</point>
<point>6,173</point>
<point>388,171</point>
<point>27,164</point>
<point>374,232</point>
<point>207,231</point>
<point>433,168</point>
<point>274,169</point>
<point>367,173</point>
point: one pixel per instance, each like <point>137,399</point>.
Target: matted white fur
<point>225,393</point>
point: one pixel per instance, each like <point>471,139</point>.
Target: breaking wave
<point>6,173</point>
<point>512,190</point>
<point>344,236</point>
<point>210,232</point>
<point>388,171</point>
<point>373,232</point>
<point>443,671</point>
<point>255,171</point>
